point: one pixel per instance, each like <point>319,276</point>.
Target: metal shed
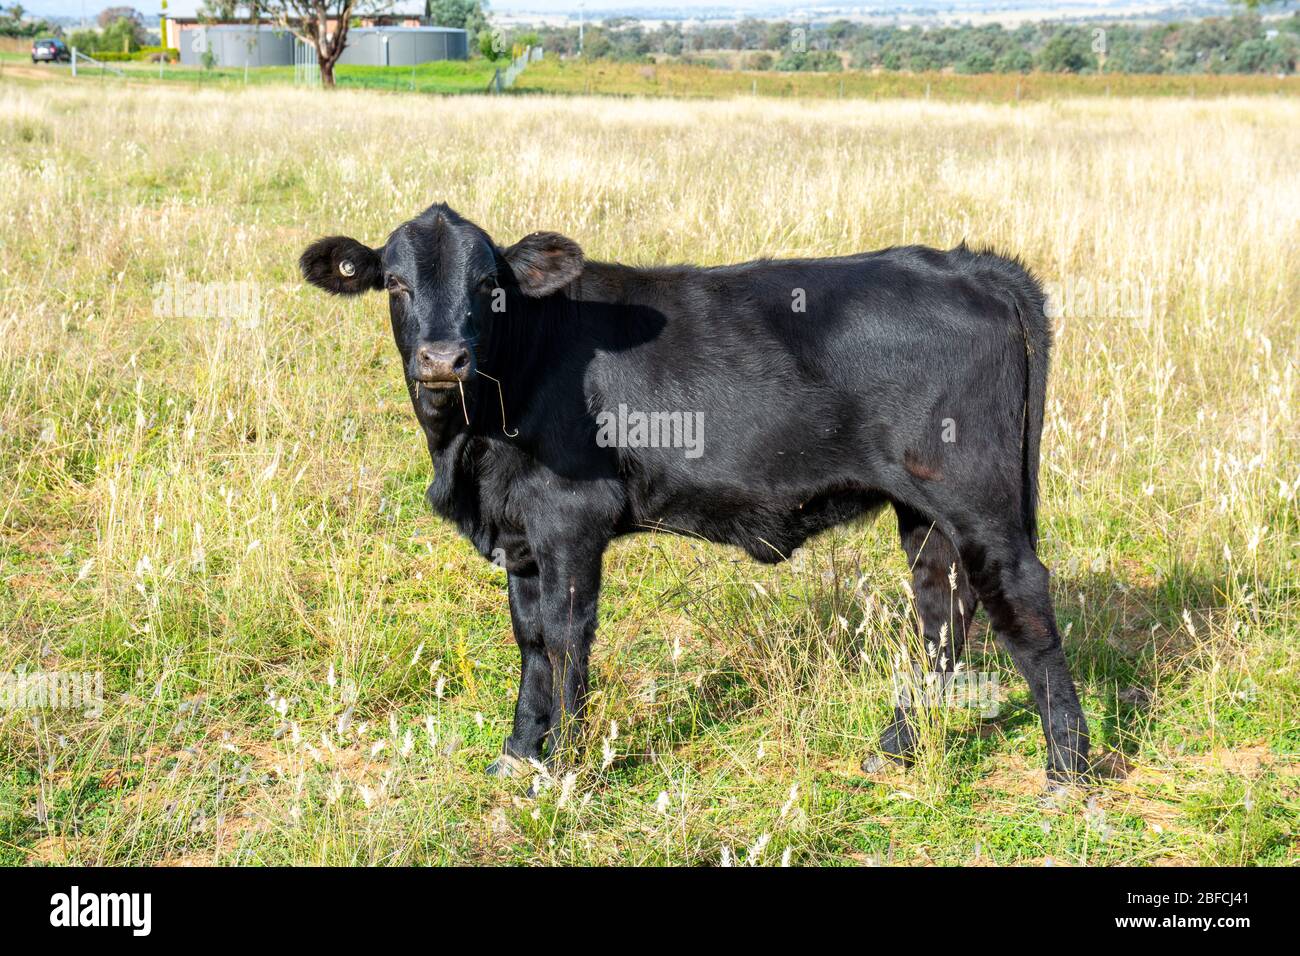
<point>238,45</point>
<point>403,46</point>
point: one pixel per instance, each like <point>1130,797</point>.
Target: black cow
<point>814,391</point>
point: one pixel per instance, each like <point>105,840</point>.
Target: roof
<point>244,26</point>
<point>392,29</point>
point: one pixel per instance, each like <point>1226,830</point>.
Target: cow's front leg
<point>570,584</point>
<point>533,706</point>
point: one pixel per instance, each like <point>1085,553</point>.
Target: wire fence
<point>503,80</point>
<point>103,67</point>
<point>306,65</point>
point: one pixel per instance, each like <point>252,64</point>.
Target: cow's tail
<point>1031,306</point>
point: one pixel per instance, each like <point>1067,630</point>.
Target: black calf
<point>567,402</point>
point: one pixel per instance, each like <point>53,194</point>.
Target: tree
<point>110,15</point>
<point>219,9</point>
<point>490,44</point>
<point>1069,51</point>
<point>1015,60</point>
<point>459,14</point>
<point>596,44</point>
<point>322,23</point>
<point>124,35</point>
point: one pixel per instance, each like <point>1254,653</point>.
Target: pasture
<point>674,80</point>
<point>211,490</point>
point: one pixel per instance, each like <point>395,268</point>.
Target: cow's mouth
<point>436,399</point>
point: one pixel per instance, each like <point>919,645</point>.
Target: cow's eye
<point>396,285</point>
<point>486,285</point>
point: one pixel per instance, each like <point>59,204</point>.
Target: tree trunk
<point>329,54</point>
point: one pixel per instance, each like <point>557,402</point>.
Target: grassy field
<point>445,76</point>
<point>680,80</point>
<point>211,490</point>
<point>686,81</point>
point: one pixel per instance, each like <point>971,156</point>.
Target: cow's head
<point>445,278</point>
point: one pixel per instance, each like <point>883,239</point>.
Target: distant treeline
<point>1239,44</point>
<point>14,22</point>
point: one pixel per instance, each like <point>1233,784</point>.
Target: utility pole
<point>581,7</point>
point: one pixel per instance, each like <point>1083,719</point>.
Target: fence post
<point>74,61</point>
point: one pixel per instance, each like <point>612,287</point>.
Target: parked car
<point>50,51</point>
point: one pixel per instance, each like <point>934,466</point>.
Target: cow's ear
<point>544,262</point>
<point>341,265</point>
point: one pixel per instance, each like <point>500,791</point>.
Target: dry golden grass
<point>221,510</point>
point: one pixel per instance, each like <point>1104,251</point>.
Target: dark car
<point>50,51</point>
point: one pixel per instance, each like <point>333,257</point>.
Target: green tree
<point>1016,60</point>
<point>977,61</point>
<point>813,61</point>
<point>596,44</point>
<point>1069,51</point>
<point>219,9</point>
<point>310,21</point>
<point>491,44</point>
<point>459,14</point>
<point>122,35</point>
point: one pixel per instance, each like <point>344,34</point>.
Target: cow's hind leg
<point>1013,584</point>
<point>533,706</point>
<point>945,607</point>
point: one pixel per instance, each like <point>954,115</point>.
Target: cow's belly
<point>768,527</point>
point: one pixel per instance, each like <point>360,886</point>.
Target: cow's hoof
<point>506,766</point>
<point>1062,784</point>
<point>1063,789</point>
<point>1054,796</point>
<point>879,763</point>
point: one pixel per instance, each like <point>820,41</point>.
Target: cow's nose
<point>441,362</point>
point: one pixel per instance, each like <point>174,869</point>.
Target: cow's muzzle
<point>442,365</point>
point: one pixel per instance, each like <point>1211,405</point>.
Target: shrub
<point>1015,60</point>
<point>814,61</point>
<point>490,44</point>
<point>1069,51</point>
<point>151,54</point>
